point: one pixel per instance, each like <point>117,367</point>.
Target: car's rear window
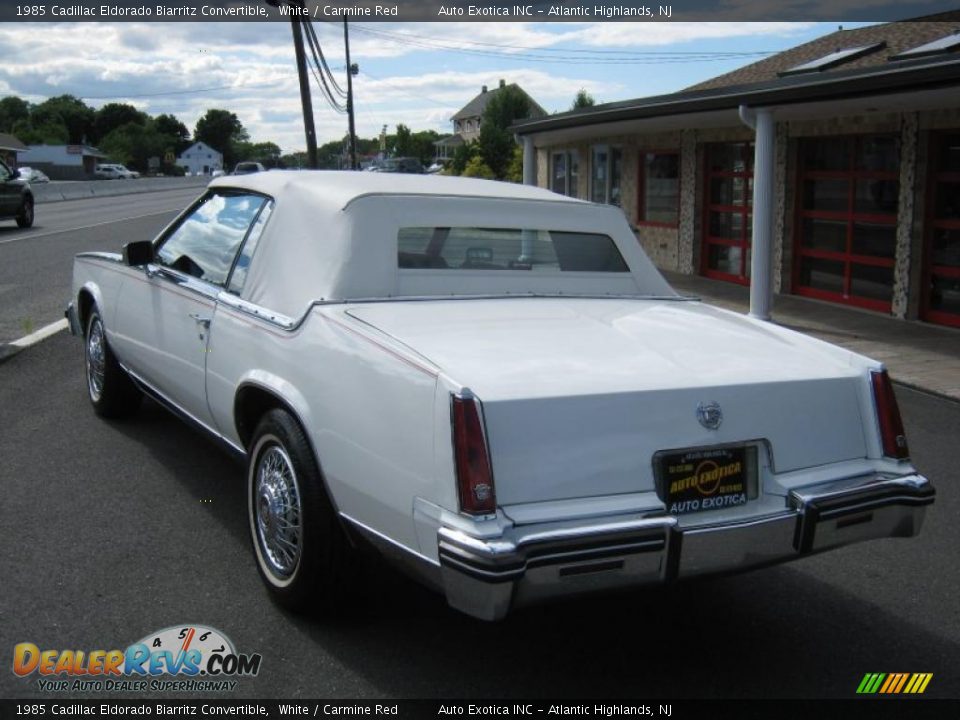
<point>473,248</point>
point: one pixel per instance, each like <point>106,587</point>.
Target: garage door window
<point>941,302</point>
<point>847,203</point>
<point>728,217</point>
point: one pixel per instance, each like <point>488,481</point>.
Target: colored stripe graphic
<point>894,683</point>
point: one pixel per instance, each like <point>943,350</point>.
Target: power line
<point>570,55</point>
<point>175,92</point>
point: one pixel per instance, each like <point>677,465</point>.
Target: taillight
<point>888,415</point>
<point>474,478</point>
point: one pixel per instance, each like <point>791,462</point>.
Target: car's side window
<point>206,242</point>
<point>239,276</point>
<point>5,172</point>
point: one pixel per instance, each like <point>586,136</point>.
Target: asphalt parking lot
<point>113,530</point>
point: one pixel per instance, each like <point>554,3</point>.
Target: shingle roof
<point>10,142</point>
<point>898,37</point>
<point>475,107</point>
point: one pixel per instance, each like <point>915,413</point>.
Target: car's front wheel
<point>302,552</point>
<point>112,392</point>
<point>25,216</point>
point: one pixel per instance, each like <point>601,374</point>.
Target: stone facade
<point>678,249</point>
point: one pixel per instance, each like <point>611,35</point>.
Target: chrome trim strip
<point>182,280</point>
<point>176,409</point>
<point>366,529</point>
<point>98,255</point>
<point>260,313</point>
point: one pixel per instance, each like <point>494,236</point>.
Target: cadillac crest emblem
<point>710,415</point>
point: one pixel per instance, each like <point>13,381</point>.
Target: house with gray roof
<point>830,170</point>
<point>467,120</point>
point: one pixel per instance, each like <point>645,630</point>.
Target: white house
<point>200,158</point>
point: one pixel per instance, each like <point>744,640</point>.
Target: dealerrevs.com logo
<point>183,657</point>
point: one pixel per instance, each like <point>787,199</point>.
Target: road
<point>112,530</point>
<point>36,264</point>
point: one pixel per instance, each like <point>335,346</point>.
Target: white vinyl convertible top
<point>335,190</point>
<point>333,236</point>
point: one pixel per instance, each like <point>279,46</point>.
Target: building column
<point>686,226</point>
<point>529,161</point>
<point>764,161</point>
<point>905,215</point>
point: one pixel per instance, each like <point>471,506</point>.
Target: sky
<point>418,74</point>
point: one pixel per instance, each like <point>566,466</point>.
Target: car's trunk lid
<point>579,394</point>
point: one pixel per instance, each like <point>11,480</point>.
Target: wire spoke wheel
<point>96,359</point>
<point>278,511</point>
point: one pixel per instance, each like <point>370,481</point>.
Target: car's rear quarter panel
<point>367,407</point>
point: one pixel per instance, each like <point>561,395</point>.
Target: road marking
<point>41,334</point>
<point>31,236</point>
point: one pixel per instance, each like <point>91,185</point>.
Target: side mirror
<point>138,253</point>
<point>15,173</point>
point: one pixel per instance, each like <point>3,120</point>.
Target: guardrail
<point>57,191</point>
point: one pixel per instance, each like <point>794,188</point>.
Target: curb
<point>8,350</point>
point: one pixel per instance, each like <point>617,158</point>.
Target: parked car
<point>400,165</point>
<point>114,171</point>
<point>217,173</point>
<point>245,168</point>
<point>16,198</point>
<point>491,383</point>
<point>32,175</point>
<point>108,172</point>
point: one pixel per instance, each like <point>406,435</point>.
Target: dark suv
<point>16,199</point>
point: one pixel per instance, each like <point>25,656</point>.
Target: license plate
<point>706,478</point>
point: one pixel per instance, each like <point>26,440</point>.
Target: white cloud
<point>248,68</point>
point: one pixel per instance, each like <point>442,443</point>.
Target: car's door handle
<point>200,319</point>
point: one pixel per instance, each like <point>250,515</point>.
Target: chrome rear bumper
<point>486,577</point>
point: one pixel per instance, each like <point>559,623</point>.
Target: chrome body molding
<point>486,577</point>
<point>183,414</point>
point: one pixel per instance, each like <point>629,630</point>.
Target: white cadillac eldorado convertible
<point>491,384</point>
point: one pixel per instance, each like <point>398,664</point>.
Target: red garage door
<point>941,276</point>
<point>845,234</point>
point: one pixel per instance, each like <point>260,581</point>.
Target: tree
<point>170,126</point>
<point>44,127</point>
<point>462,156</point>
<point>402,142</point>
<point>76,117</point>
<point>583,100</point>
<point>477,168</point>
<point>114,115</point>
<point>13,111</point>
<point>267,153</point>
<point>515,168</point>
<point>223,131</point>
<point>496,143</point>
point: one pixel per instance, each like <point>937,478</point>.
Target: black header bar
<point>638,11</point>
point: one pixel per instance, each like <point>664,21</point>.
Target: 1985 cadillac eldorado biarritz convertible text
<point>490,383</point>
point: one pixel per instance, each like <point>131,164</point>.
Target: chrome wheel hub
<point>276,502</point>
<point>96,359</point>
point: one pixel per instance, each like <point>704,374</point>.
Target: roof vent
<point>833,59</point>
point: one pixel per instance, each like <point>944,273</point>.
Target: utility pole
<point>351,71</point>
<point>305,100</point>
